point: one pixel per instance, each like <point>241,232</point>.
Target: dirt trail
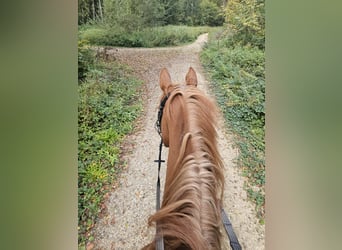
<point>124,226</point>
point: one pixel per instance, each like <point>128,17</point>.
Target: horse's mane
<point>190,213</point>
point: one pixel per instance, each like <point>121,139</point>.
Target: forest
<point>135,14</point>
<point>234,59</point>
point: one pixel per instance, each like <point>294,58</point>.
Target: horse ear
<point>191,77</point>
<point>164,80</point>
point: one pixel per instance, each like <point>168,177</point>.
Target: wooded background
<point>134,14</point>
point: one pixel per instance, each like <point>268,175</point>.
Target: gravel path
<point>124,225</point>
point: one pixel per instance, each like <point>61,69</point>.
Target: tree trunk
<point>93,7</point>
<point>100,9</point>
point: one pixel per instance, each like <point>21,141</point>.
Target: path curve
<point>124,225</point>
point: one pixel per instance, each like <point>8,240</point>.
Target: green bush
<point>108,105</point>
<point>85,59</point>
<point>238,80</point>
<point>147,37</point>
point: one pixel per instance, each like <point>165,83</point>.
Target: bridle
<point>234,242</point>
<point>160,113</point>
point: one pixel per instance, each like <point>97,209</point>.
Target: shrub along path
<point>123,225</point>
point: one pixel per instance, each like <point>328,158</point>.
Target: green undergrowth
<point>109,102</point>
<point>238,80</point>
<point>148,37</point>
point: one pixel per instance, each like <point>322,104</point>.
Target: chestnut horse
<point>189,217</point>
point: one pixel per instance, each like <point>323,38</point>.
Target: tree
<point>173,11</point>
<point>151,12</point>
<point>118,15</point>
<point>219,3</point>
<point>132,15</point>
<point>211,14</point>
<point>247,21</point>
<point>191,11</point>
<point>90,10</point>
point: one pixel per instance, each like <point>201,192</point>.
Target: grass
<point>108,105</point>
<point>238,80</point>
<point>148,37</point>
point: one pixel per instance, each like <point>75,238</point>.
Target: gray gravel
<point>124,226</point>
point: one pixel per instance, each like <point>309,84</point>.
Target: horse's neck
<point>178,127</point>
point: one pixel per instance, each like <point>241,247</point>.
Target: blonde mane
<point>190,214</point>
